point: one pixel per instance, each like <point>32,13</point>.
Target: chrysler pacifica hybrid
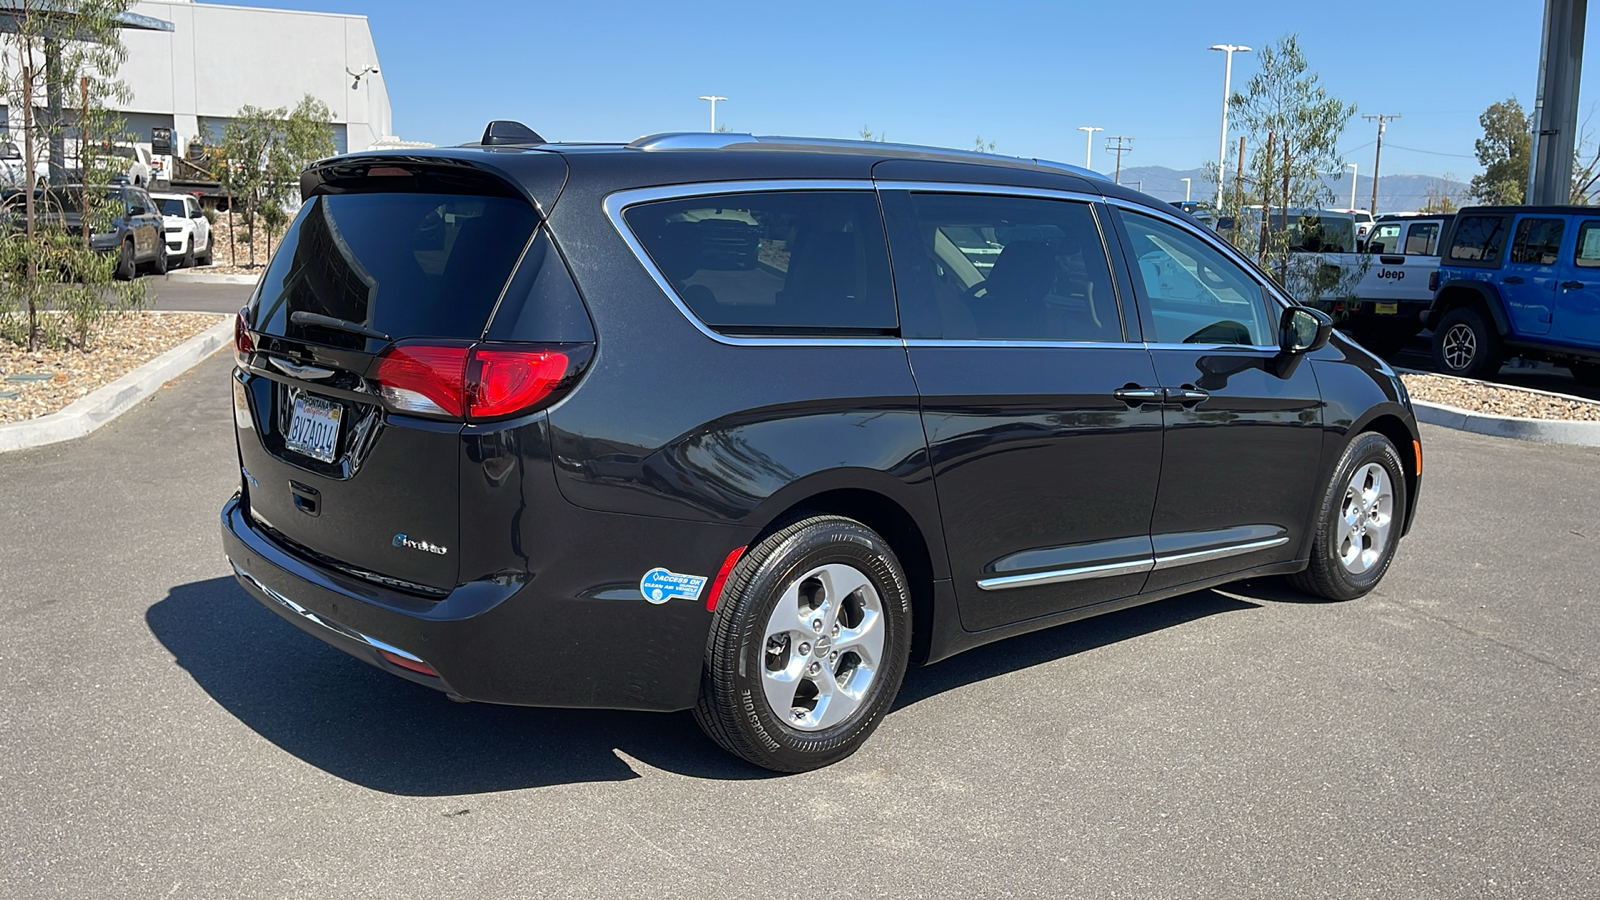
<point>747,426</point>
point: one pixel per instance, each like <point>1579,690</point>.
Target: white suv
<point>187,231</point>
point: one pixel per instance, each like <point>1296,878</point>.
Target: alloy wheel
<point>1367,517</point>
<point>823,647</point>
<point>1460,346</point>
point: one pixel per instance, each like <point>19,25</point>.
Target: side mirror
<point>1303,330</point>
<point>136,210</point>
<point>197,214</point>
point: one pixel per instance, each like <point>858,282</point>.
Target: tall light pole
<point>1186,187</point>
<point>1227,92</point>
<point>1354,177</point>
<point>1088,144</point>
<point>713,98</point>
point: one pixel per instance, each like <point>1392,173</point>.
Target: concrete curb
<point>106,403</point>
<point>1545,431</point>
<point>193,277</point>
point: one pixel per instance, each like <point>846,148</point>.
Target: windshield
<point>173,207</point>
<point>408,265</point>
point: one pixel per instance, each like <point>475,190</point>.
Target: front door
<point>1041,412</point>
<point>1578,297</point>
<point>1530,273</point>
<point>1243,421</point>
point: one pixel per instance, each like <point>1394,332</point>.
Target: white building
<point>217,58</point>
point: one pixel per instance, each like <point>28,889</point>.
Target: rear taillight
<point>242,345</point>
<point>487,381</point>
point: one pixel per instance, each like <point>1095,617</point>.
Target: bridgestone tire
<point>1487,354</point>
<point>1326,576</point>
<point>733,708</point>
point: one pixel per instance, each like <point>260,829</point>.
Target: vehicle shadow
<point>370,728</point>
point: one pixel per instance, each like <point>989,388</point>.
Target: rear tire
<point>1358,522</point>
<point>1466,345</point>
<point>808,646</point>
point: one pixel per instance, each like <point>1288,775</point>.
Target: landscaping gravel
<point>37,384</point>
<point>1498,400</point>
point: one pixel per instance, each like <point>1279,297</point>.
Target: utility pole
<point>1122,145</point>
<point>1088,143</point>
<point>1555,106</point>
<point>1377,156</point>
<point>713,98</point>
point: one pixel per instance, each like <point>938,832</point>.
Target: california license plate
<point>314,428</point>
<point>1386,309</point>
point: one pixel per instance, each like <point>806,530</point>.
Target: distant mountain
<point>1396,193</point>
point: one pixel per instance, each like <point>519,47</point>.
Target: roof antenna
<point>504,132</point>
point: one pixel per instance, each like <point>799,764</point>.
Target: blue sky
<point>1022,74</point>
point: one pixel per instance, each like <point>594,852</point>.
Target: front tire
<point>158,266</point>
<point>1586,374</point>
<point>808,646</point>
<point>188,255</point>
<point>1466,345</point>
<point>126,268</point>
<point>1358,522</point>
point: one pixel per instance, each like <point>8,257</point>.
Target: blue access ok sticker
<point>659,585</point>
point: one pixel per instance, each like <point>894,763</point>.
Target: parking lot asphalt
<point>163,735</point>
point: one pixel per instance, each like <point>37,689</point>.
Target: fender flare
<point>1486,292</point>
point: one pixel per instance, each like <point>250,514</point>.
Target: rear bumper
<point>533,642</point>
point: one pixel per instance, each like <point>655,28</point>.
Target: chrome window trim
<point>1111,570</point>
<point>617,203</point>
<point>974,343</point>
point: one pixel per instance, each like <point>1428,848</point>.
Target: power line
<point>1434,152</point>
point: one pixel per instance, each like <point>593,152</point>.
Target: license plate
<point>1386,309</point>
<point>314,428</point>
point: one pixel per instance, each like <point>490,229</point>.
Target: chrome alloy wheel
<point>823,647</point>
<point>1367,516</point>
<point>1460,346</point>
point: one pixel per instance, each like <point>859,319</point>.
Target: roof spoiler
<point>506,133</point>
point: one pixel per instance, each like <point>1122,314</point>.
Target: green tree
<point>266,150</point>
<point>1505,152</point>
<point>981,145</point>
<point>66,53</point>
<point>1294,124</point>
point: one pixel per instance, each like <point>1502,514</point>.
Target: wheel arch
<point>1392,426</point>
<point>1473,295</point>
<point>887,516</point>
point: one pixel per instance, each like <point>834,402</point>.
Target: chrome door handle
<point>309,373</point>
<point>1135,396</point>
<point>1186,396</point>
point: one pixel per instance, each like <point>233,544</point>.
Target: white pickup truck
<point>1384,286</point>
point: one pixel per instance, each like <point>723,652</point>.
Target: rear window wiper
<point>301,317</point>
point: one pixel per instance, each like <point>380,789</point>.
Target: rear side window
<point>1013,268</point>
<point>1422,239</point>
<point>1587,255</point>
<point>1538,241</point>
<point>408,265</point>
<point>780,262</point>
<point>1478,239</point>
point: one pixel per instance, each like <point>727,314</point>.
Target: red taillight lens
<point>242,345</point>
<point>509,381</point>
<point>430,379</point>
<point>462,381</point>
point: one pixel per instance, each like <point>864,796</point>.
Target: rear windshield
<point>1478,239</point>
<point>408,265</point>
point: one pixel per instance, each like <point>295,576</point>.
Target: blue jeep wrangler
<point>1519,281</point>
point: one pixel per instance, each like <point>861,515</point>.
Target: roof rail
<point>691,140</point>
<point>701,140</point>
<point>506,133</point>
